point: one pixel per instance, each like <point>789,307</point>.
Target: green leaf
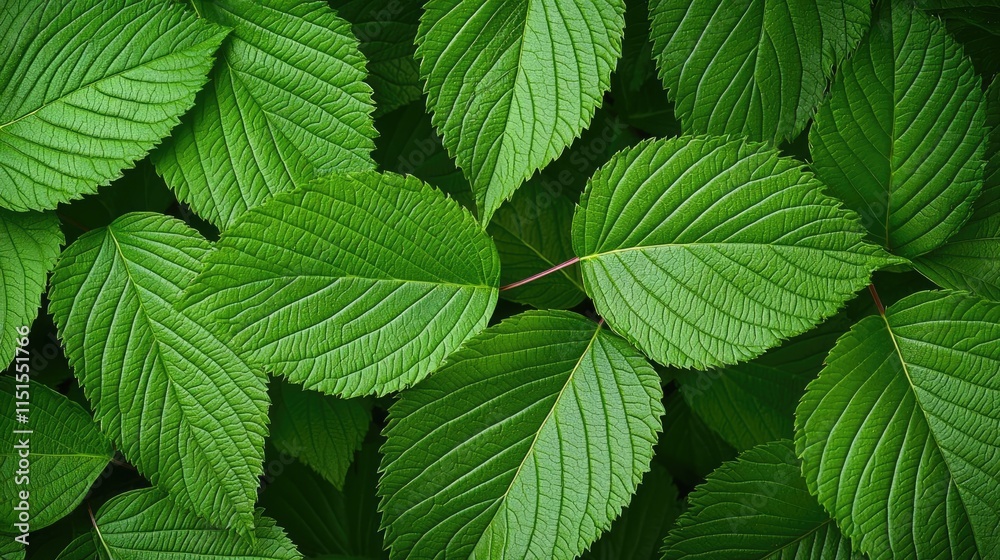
<point>756,68</point>
<point>29,247</point>
<point>973,23</point>
<point>325,522</point>
<point>287,102</point>
<point>993,117</point>
<point>387,30</point>
<point>146,525</point>
<point>321,431</point>
<point>87,87</point>
<point>64,448</point>
<point>512,83</point>
<point>901,138</point>
<point>81,548</point>
<point>638,532</point>
<point>754,402</point>
<point>526,444</point>
<point>970,260</point>
<point>757,506</point>
<point>352,285</point>
<point>900,430</point>
<point>706,251</point>
<point>10,549</point>
<point>179,403</point>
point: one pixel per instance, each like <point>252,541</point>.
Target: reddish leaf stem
<point>878,302</point>
<point>534,277</point>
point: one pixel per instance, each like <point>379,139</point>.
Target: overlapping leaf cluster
<point>291,221</point>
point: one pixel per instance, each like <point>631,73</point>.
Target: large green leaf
<point>354,284</point>
<point>899,434</point>
<point>901,138</point>
<point>287,102</point>
<point>146,525</point>
<point>320,430</point>
<point>29,246</point>
<point>705,251</point>
<point>757,507</point>
<point>526,444</point>
<point>325,522</point>
<point>756,68</point>
<point>387,30</point>
<point>87,87</point>
<point>64,448</point>
<point>511,83</point>
<point>970,260</point>
<point>180,404</point>
<point>753,403</point>
<point>638,532</point>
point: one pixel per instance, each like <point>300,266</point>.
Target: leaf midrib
<point>563,271</point>
<point>94,83</point>
<point>133,285</point>
<point>569,380</point>
<point>713,244</point>
<point>930,430</point>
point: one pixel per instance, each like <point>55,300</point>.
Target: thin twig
<point>878,302</point>
<point>534,277</point>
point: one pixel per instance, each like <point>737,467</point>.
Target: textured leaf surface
<point>387,30</point>
<point>970,260</point>
<point>900,430</point>
<point>757,506</point>
<point>325,522</point>
<point>29,246</point>
<point>10,549</point>
<point>975,24</point>
<point>65,448</point>
<point>287,102</point>
<point>512,83</point>
<point>87,87</point>
<point>756,68</point>
<point>146,525</point>
<point>81,548</point>
<point>639,531</point>
<point>320,430</point>
<point>901,138</point>
<point>526,444</point>
<point>354,284</point>
<point>754,402</point>
<point>172,395</point>
<point>705,251</point>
